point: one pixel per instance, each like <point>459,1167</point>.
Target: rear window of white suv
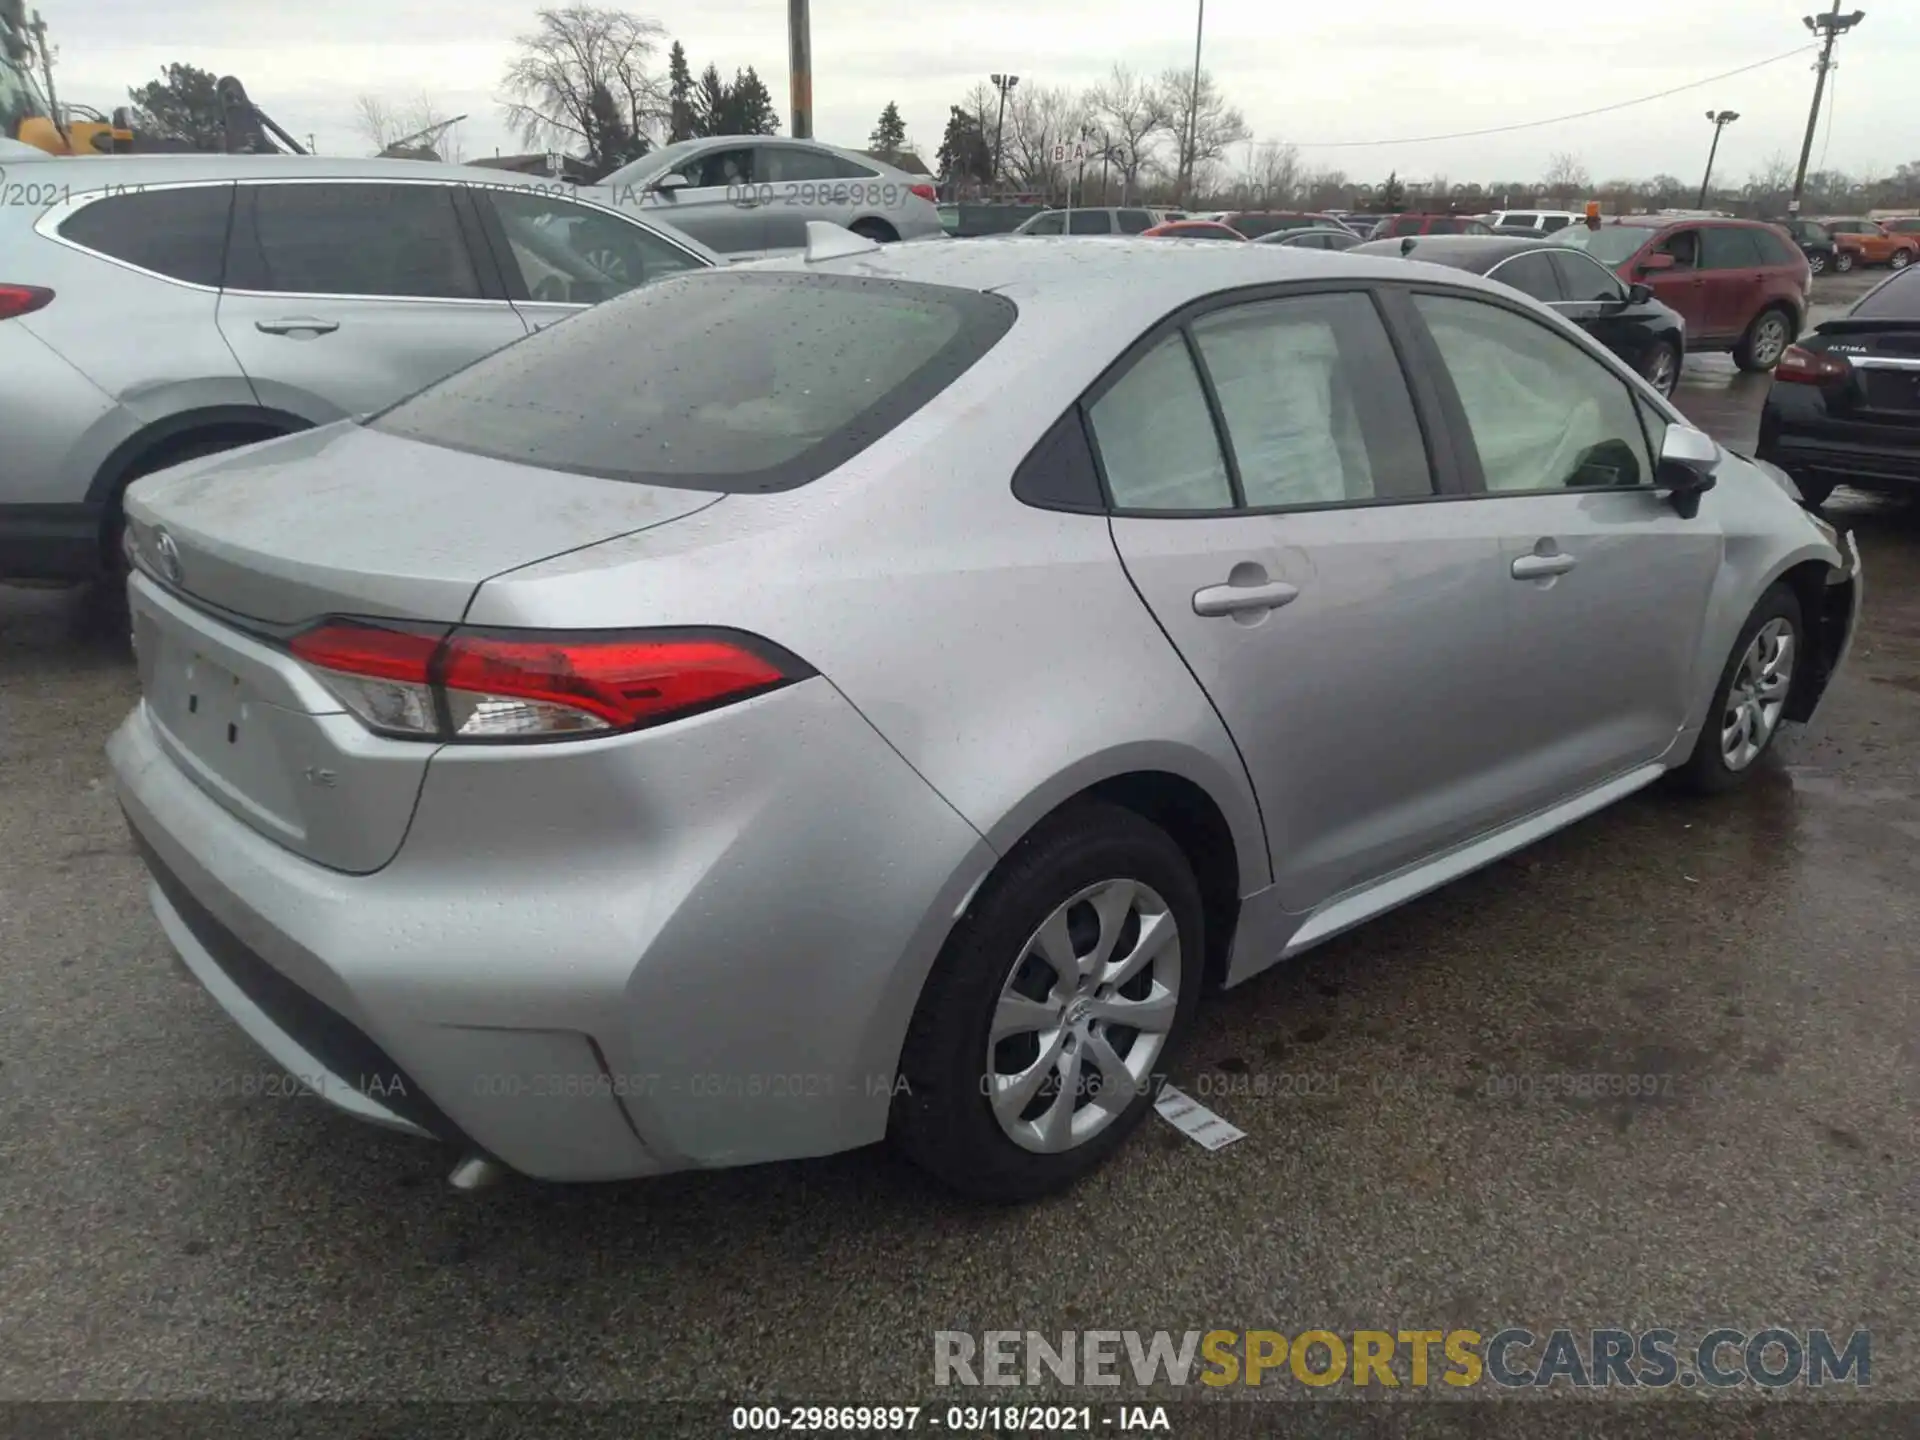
<point>729,381</point>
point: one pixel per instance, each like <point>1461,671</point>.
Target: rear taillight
<point>23,300</point>
<point>422,683</point>
<point>926,192</point>
<point>1801,366</point>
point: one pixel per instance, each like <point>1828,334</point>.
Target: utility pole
<point>1719,121</point>
<point>1002,83</point>
<point>800,68</point>
<point>39,29</point>
<point>1187,166</point>
<point>1832,25</point>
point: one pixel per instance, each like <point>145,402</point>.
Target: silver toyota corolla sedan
<point>869,694</point>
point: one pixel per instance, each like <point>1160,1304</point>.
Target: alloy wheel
<point>1769,339</point>
<point>1758,694</point>
<point>1083,1016</point>
<point>1900,259</point>
<point>1817,263</point>
<point>1663,371</point>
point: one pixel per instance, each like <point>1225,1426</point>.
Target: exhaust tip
<point>475,1173</point>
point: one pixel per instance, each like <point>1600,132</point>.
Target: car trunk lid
<point>238,554</point>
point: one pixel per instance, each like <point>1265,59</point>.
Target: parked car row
<point>494,754</point>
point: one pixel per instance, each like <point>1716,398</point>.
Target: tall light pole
<point>1193,109</point>
<point>1002,83</point>
<point>1832,25</point>
<point>800,68</point>
<point>1719,121</point>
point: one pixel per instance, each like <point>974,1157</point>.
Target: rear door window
<point>1531,274</point>
<point>1775,248</point>
<point>178,233</point>
<point>1090,222</point>
<point>347,239</point>
<point>792,163</point>
<point>1135,222</point>
<point>1728,247</point>
<point>725,381</point>
<point>1053,224</point>
<point>1556,222</point>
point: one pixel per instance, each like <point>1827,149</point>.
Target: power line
<point>1556,120</point>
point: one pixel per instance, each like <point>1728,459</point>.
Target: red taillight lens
<point>926,192</point>
<point>1801,366</point>
<point>23,300</point>
<point>504,685</point>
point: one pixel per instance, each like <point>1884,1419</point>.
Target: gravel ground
<point>160,1240</point>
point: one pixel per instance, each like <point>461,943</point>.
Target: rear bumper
<point>689,947</point>
<point>1798,435</point>
<point>49,542</point>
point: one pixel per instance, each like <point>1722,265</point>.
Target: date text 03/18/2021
<point>961,1419</point>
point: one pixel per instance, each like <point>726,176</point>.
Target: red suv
<point>1740,285</point>
<point>1394,226</point>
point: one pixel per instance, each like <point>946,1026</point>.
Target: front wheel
<point>1041,1036</point>
<point>1750,699</point>
<point>1765,342</point>
<point>1661,367</point>
<point>1843,262</point>
<point>1817,262</point>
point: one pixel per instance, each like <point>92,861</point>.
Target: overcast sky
<point>1357,71</point>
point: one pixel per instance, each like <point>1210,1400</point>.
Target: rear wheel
<point>1040,1037</point>
<point>1766,340</point>
<point>1900,259</point>
<point>1817,261</point>
<point>1842,262</point>
<point>1661,367</point>
<point>877,230</point>
<point>1750,699</point>
<point>1813,489</point>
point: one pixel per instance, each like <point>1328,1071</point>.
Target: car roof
<point>1476,253</point>
<point>698,143</point>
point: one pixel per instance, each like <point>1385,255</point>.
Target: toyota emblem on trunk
<point>168,555</point>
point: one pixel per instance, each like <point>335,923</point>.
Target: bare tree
<point>1133,119</point>
<point>1271,179</point>
<point>1323,188</point>
<point>384,124</point>
<point>1770,187</point>
<point>1567,177</point>
<point>574,54</point>
<point>1206,127</point>
<point>1037,120</point>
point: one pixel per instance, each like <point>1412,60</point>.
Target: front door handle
<point>1242,599</point>
<point>1541,567</point>
<point>296,323</point>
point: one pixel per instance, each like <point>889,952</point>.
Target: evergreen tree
<point>889,137</point>
<point>682,124</point>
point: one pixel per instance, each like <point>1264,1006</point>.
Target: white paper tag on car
<point>1194,1120</point>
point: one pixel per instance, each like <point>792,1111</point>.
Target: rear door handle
<point>1540,567</point>
<point>296,323</point>
<point>1242,599</point>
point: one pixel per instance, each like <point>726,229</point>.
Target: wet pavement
<point>1412,1160</point>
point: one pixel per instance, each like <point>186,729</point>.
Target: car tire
<point>1814,490</point>
<point>1765,341</point>
<point>1753,691</point>
<point>1843,262</point>
<point>875,230</point>
<point>1660,367</point>
<point>1817,261</point>
<point>994,971</point>
<point>1900,259</point>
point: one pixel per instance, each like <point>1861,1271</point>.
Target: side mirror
<point>1687,468</point>
<point>668,183</point>
<point>1639,293</point>
<point>1659,260</point>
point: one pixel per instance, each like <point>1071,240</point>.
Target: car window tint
<point>1584,278</point>
<point>177,233</point>
<point>1895,299</point>
<point>731,380</point>
<point>1728,247</point>
<point>569,254</point>
<point>1135,222</point>
<point>1544,414</point>
<point>1315,407</point>
<point>1775,248</point>
<point>776,164</point>
<point>718,169</point>
<point>1090,222</point>
<point>1158,447</point>
<point>1531,274</point>
<point>397,240</point>
<point>1556,222</point>
<point>1521,218</point>
<point>1050,224</point>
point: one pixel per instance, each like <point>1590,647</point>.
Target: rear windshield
<point>728,381</point>
<point>1895,299</point>
<point>1610,244</point>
